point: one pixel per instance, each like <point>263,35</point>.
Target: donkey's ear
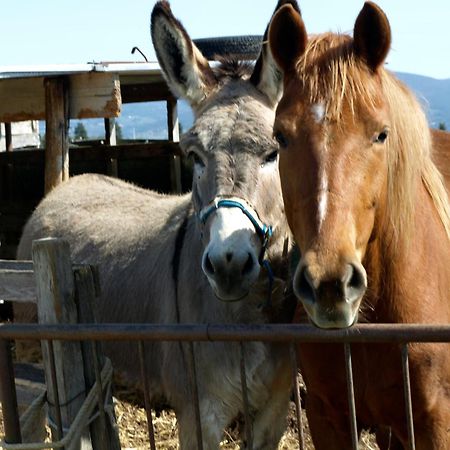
<point>287,37</point>
<point>372,35</point>
<point>185,69</point>
<point>267,76</point>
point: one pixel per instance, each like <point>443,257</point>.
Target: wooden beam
<point>91,95</point>
<point>57,132</point>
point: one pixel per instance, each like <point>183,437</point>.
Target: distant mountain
<point>148,120</point>
<point>433,94</point>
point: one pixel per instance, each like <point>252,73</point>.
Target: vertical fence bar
<point>100,396</point>
<point>54,388</point>
<point>8,395</point>
<point>192,373</point>
<point>351,395</point>
<point>408,400</point>
<point>297,399</point>
<point>248,421</point>
<point>148,410</point>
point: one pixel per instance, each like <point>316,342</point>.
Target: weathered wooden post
<point>56,305</point>
<point>173,134</point>
<point>104,436</point>
<point>57,131</point>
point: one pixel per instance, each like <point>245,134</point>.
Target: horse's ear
<point>372,35</point>
<point>185,69</point>
<point>267,76</point>
<point>287,37</point>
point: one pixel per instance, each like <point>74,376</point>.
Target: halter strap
<point>264,231</point>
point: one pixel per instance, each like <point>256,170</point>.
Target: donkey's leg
<point>213,418</point>
<point>270,421</point>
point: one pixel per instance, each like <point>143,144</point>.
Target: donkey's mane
<point>233,68</point>
<point>331,73</point>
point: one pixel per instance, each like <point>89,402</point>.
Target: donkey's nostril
<point>248,266</point>
<point>208,267</point>
<point>229,256</point>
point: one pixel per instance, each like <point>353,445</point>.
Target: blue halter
<point>264,231</point>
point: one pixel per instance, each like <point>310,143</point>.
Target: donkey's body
<point>151,248</point>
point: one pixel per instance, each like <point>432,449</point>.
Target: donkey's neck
<point>408,282</point>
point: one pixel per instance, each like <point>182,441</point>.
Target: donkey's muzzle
<point>331,300</point>
<point>231,273</point>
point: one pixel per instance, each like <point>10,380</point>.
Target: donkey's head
<point>236,190</point>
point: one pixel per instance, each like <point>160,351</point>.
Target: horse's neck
<point>410,282</point>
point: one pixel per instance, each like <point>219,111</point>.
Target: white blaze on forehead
<point>323,199</point>
<point>318,111</point>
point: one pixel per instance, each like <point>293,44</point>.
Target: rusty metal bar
<point>364,333</point>
<point>408,400</point>
<point>192,373</point>
<point>8,395</point>
<point>297,398</point>
<point>247,417</point>
<point>351,396</point>
<point>54,387</point>
<point>148,410</point>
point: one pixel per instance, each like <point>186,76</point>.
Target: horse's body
<point>370,214</point>
<point>151,248</point>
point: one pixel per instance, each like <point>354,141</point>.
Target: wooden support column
<point>173,134</point>
<point>8,137</point>
<point>57,131</point>
<point>56,305</point>
<point>111,139</point>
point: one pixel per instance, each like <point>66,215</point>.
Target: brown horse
<point>370,214</point>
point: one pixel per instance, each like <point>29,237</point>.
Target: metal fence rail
<point>290,333</point>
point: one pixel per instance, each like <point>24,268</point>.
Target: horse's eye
<point>272,157</point>
<point>381,138</point>
<point>193,156</point>
<point>281,139</point>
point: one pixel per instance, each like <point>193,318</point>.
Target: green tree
<point>80,133</point>
<point>442,126</point>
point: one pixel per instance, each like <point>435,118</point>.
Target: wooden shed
<point>56,94</point>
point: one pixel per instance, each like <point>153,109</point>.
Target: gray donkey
<point>196,258</point>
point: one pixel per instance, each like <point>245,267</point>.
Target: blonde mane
<point>332,75</point>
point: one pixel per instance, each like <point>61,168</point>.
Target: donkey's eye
<point>281,139</point>
<point>272,157</point>
<point>381,138</point>
<point>196,159</point>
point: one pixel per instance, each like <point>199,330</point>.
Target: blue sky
<point>60,32</point>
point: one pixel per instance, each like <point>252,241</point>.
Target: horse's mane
<point>334,76</point>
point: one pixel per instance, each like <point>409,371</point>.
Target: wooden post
<point>57,130</point>
<point>110,131</point>
<point>173,132</point>
<point>8,137</point>
<point>55,294</point>
<point>103,435</point>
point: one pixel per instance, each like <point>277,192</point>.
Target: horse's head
<point>333,126</point>
<point>236,190</point>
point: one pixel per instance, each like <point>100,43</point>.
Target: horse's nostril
<point>355,282</point>
<point>248,266</point>
<point>209,268</point>
<point>304,285</point>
